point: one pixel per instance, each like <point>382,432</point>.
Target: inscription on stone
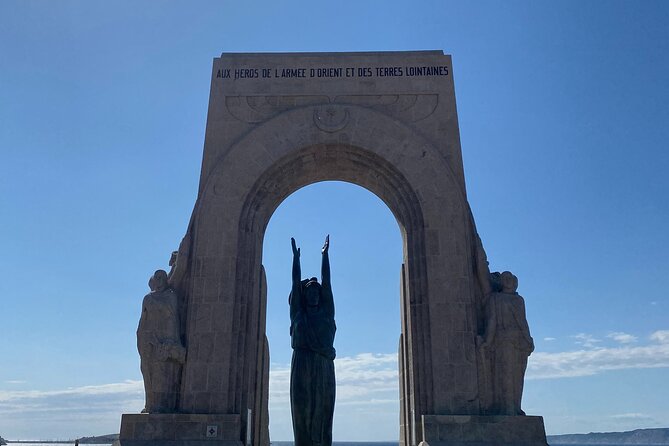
<point>332,72</point>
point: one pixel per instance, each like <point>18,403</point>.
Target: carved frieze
<point>405,107</point>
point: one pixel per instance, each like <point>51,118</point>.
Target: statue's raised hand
<point>326,246</point>
<point>296,250</point>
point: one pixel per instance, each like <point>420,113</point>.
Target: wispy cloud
<point>549,339</point>
<point>367,397</point>
<point>595,360</point>
<point>360,379</point>
<point>623,338</point>
<point>633,417</point>
<point>128,386</point>
<point>586,340</point>
<point>15,381</point>
<point>661,336</point>
<point>63,412</point>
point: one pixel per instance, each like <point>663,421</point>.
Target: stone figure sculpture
<point>159,343</point>
<point>312,331</point>
<point>507,343</point>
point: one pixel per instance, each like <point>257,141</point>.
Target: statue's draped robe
<point>312,379</point>
<point>159,346</point>
<point>511,346</point>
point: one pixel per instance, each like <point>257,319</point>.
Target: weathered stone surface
<point>180,430</point>
<point>496,430</point>
<point>261,425</point>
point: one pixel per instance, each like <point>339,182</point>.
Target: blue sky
<point>564,126</point>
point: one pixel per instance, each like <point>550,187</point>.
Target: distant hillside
<point>102,439</point>
<point>645,437</point>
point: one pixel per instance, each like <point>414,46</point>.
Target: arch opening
<point>366,256</point>
<point>351,164</point>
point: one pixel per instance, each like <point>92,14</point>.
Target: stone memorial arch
<point>278,122</point>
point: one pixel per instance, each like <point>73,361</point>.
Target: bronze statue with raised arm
<point>312,332</point>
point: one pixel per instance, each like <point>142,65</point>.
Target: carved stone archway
<point>395,135</point>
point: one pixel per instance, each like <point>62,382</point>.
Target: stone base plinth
<point>180,430</point>
<point>494,430</point>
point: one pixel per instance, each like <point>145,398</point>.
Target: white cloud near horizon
<point>367,385</point>
<point>70,412</point>
<point>367,404</point>
<point>127,386</point>
<point>594,359</point>
<point>633,416</point>
<point>367,373</point>
<point>361,378</point>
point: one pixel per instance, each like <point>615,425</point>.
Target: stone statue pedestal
<point>482,430</point>
<point>180,430</point>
